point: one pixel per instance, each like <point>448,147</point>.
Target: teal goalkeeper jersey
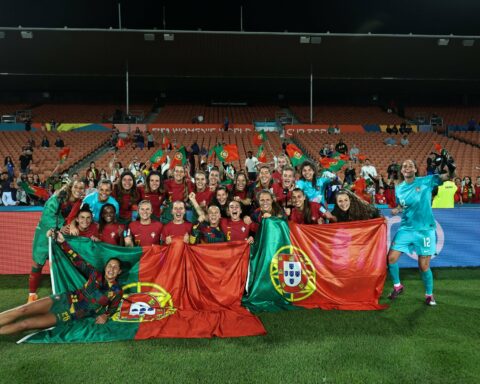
<point>416,198</point>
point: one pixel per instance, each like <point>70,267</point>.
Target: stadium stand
<point>451,115</point>
<point>338,114</point>
<point>81,144</point>
<point>184,113</point>
<point>467,137</point>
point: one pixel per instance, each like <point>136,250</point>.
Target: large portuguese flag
<point>335,266</point>
<point>179,291</point>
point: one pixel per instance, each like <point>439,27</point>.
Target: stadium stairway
<point>85,163</point>
<point>152,116</point>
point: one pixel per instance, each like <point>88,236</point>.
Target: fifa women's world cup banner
<point>336,266</point>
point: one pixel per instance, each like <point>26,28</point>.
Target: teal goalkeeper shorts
<point>424,243</point>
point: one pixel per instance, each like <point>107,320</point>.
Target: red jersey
<point>277,177</point>
<point>380,199</point>
<point>92,230</point>
<point>155,198</point>
<point>172,229</point>
<point>111,233</point>
<point>126,203</point>
<point>204,198</point>
<point>145,234</point>
<point>297,216</point>
<point>176,192</point>
<point>235,230</point>
<point>284,199</point>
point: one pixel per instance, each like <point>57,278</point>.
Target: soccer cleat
<point>395,293</point>
<point>430,300</point>
<point>32,297</point>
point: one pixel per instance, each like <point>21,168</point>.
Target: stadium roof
<point>37,58</point>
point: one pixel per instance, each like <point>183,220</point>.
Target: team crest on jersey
<point>152,234</point>
<point>144,302</point>
<point>292,273</point>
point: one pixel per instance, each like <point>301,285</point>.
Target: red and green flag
<point>296,155</point>
<point>333,165</point>
<point>227,153</point>
<point>438,147</point>
<point>158,158</point>
<point>261,156</point>
<point>179,291</point>
<point>179,157</point>
<point>63,154</point>
<point>120,143</point>
<point>259,138</point>
<point>335,266</point>
<point>33,190</point>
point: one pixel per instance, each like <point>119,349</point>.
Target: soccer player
<point>85,225</point>
<point>234,227</point>
<point>283,190</point>
<point>109,231</point>
<point>59,211</point>
<point>417,228</point>
<point>145,231</point>
<point>178,226</point>
<point>304,211</point>
<point>99,298</point>
<point>349,207</point>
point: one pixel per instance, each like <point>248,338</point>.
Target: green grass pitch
<point>406,343</point>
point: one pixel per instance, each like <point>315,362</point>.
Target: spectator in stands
<point>341,147</point>
<point>59,142</point>
<point>458,192</point>
<point>330,129</point>
<point>313,186</point>
<point>145,231</point>
<point>350,173</point>
<point>59,211</point>
<point>395,129</point>
<point>134,166</point>
<point>468,190</point>
<point>9,167</point>
<point>140,140</point>
<point>226,124</point>
<point>153,191</point>
<point>324,151</point>
<point>393,170</point>
<point>331,150</point>
<point>90,187</point>
<point>354,152</point>
<point>368,171</point>
<point>251,166</point>
<point>404,141</point>
<point>150,140</point>
<point>336,130</point>
<point>390,141</point>
<point>116,169</point>
<point>109,231</point>
<point>472,124</point>
<point>178,227</point>
<point>431,167</point>
<point>25,161</point>
<point>20,196</point>
<point>45,143</point>
<point>349,207</point>
<point>8,191</point>
<point>304,211</point>
<point>127,195</point>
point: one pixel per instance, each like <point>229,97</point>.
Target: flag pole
<point>50,252</point>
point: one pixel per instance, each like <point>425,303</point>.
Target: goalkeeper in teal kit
<point>417,228</point>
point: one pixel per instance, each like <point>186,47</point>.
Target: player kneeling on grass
<point>98,298</point>
<point>417,228</point>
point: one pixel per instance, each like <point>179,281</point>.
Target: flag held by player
<point>296,155</point>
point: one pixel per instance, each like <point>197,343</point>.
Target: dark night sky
<point>459,17</point>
